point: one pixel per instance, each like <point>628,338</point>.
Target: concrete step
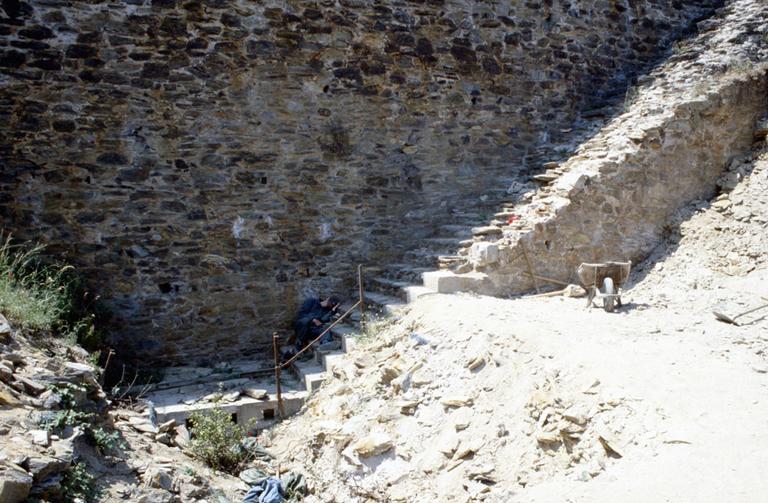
<point>310,373</point>
<point>349,341</point>
<point>440,242</point>
<point>387,304</point>
<point>458,230</point>
<point>414,292</point>
<point>330,358</point>
<point>391,287</point>
<point>407,272</point>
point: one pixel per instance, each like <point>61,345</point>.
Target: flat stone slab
<point>450,282</point>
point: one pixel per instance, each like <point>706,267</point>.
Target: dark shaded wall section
<point>206,163</point>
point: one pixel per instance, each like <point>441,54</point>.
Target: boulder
<point>8,396</point>
<point>167,426</point>
<point>373,445</point>
<point>32,387</point>
<point>255,393</point>
<point>182,437</point>
<point>155,496</point>
<point>15,483</point>
<point>159,478</point>
<point>41,467</point>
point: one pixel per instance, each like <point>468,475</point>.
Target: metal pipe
<point>362,296</point>
<point>275,350</point>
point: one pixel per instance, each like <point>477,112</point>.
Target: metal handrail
<point>276,340</point>
<point>305,348</point>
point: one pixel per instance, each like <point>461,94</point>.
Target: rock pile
<point>41,446</point>
<point>61,439</point>
<point>450,415</point>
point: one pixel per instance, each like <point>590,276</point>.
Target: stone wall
<point>207,163</point>
<point>612,201</point>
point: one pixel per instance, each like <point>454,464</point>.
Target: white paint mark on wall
<point>326,231</point>
<point>238,227</point>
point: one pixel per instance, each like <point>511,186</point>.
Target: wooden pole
<point>276,351</point>
<point>549,280</point>
<point>362,296</point>
<point>530,269</point>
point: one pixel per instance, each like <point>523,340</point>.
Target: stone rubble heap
<point>443,413</point>
<point>145,462</point>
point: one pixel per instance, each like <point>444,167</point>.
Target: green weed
<point>40,296</point>
<point>218,441</point>
<point>79,484</point>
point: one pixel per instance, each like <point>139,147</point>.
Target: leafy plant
<point>218,441</point>
<point>70,415</point>
<point>79,484</point>
<point>67,417</point>
<point>105,440</point>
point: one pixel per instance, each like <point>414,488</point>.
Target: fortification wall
<point>207,163</point>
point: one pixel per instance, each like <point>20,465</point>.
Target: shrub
<point>105,440</point>
<point>218,441</point>
<point>45,297</point>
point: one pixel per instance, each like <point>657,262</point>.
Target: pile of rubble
<point>450,414</point>
<point>39,395</point>
<point>61,438</point>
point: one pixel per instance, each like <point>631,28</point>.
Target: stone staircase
<point>388,289</point>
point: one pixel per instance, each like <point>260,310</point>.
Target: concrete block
<point>414,292</point>
<point>450,282</point>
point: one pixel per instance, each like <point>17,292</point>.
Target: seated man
<point>311,319</point>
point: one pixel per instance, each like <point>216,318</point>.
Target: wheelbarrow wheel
<point>608,298</point>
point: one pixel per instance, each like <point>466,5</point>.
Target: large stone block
<point>450,282</point>
<point>483,253</point>
<point>15,483</point>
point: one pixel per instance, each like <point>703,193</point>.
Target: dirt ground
<point>470,398</point>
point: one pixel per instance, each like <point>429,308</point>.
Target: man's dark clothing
<point>305,329</point>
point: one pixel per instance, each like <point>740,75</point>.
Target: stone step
<point>406,272</point>
<point>391,287</point>
<point>449,282</point>
<point>414,292</point>
<point>258,414</point>
<point>458,230</point>
<point>425,256</point>
<point>310,373</point>
<point>330,358</point>
<point>440,242</point>
<point>387,304</point>
<point>349,342</point>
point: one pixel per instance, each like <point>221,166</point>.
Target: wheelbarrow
<point>609,276</point>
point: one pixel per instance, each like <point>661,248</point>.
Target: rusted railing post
<point>362,296</point>
<point>276,351</point>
